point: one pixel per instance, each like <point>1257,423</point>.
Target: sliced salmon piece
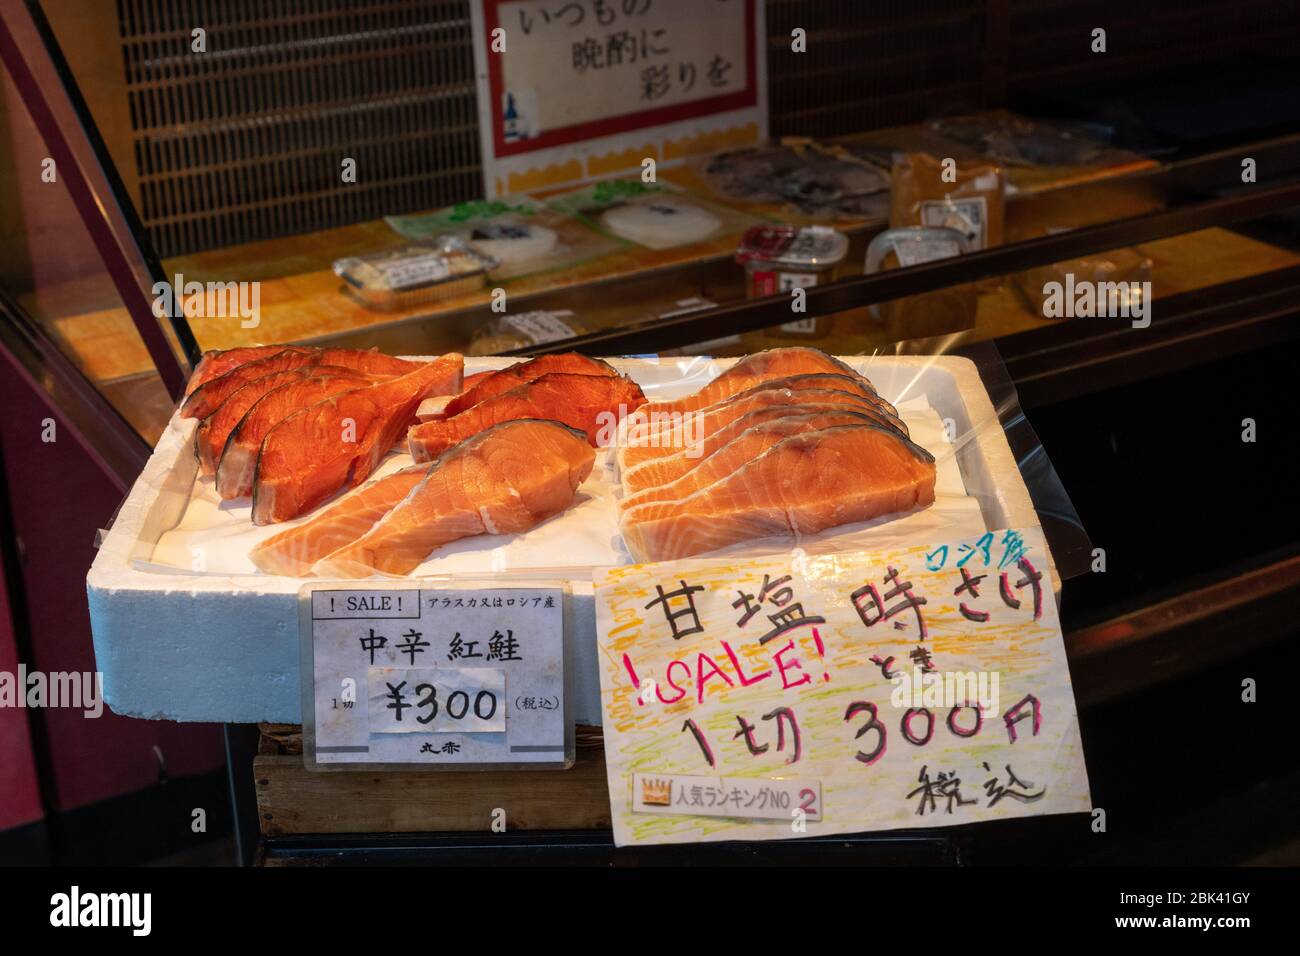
<point>502,380</point>
<point>294,551</point>
<point>802,485</point>
<point>433,409</point>
<point>664,479</point>
<point>210,437</point>
<point>207,398</point>
<point>371,361</point>
<point>337,443</point>
<point>592,403</point>
<point>639,445</point>
<point>217,363</point>
<point>756,369</point>
<point>238,459</point>
<point>656,427</point>
<point>504,480</point>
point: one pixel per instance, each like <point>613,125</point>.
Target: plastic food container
<point>929,313</point>
<point>410,275</point>
<point>780,258</point>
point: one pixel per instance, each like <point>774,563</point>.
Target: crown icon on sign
<point>657,793</point>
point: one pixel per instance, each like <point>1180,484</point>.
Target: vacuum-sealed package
<point>1118,282</point>
<point>506,333</point>
<point>653,215</point>
<point>951,194</point>
<point>941,311</point>
<point>523,235</point>
<point>407,276</point>
<point>1019,141</point>
<point>804,177</point>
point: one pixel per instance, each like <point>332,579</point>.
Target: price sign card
<point>437,677</point>
<point>771,698</point>
<point>576,90</point>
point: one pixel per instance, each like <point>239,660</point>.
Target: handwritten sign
<point>571,90</point>
<point>434,677</point>
<point>779,697</point>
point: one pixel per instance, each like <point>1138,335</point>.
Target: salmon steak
<point>653,424</point>
<point>338,442</point>
<point>593,404</point>
<point>638,446</point>
<point>238,458</point>
<point>730,447</point>
<point>214,364</point>
<point>756,369</point>
<point>369,361</point>
<point>210,437</point>
<point>293,552</point>
<point>801,485</point>
<point>504,480</point>
<point>207,398</point>
<point>495,383</point>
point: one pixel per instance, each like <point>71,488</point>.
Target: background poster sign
<point>771,698</point>
<point>586,89</point>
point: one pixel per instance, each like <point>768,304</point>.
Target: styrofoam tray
<point>185,628</point>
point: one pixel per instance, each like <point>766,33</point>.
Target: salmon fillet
<point>238,459</point>
<point>207,398</point>
<point>756,369</point>
<point>217,363</point>
<point>639,445</point>
<point>504,480</point>
<point>294,551</point>
<point>502,380</point>
<point>730,447</point>
<point>591,403</point>
<point>338,442</point>
<point>371,362</point>
<point>801,485</point>
<point>210,437</point>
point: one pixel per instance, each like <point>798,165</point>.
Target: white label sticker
<point>968,215</point>
<point>431,676</point>
<point>914,253</point>
<point>751,798</point>
<point>539,327</point>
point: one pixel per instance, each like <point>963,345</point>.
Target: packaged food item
<point>661,223</point>
<point>816,181</point>
<point>508,332</point>
<point>938,312</point>
<point>523,235</point>
<point>781,258</point>
<point>410,275</point>
<point>653,215</point>
<point>1016,140</point>
<point>952,194</point>
<point>1118,282</point>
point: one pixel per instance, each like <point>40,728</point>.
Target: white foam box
<point>216,640</point>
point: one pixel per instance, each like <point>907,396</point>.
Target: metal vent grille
<point>872,64</point>
<point>246,140</point>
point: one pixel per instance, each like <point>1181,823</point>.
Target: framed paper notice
<point>573,90</point>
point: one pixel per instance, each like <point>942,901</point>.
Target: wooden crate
<point>294,800</point>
